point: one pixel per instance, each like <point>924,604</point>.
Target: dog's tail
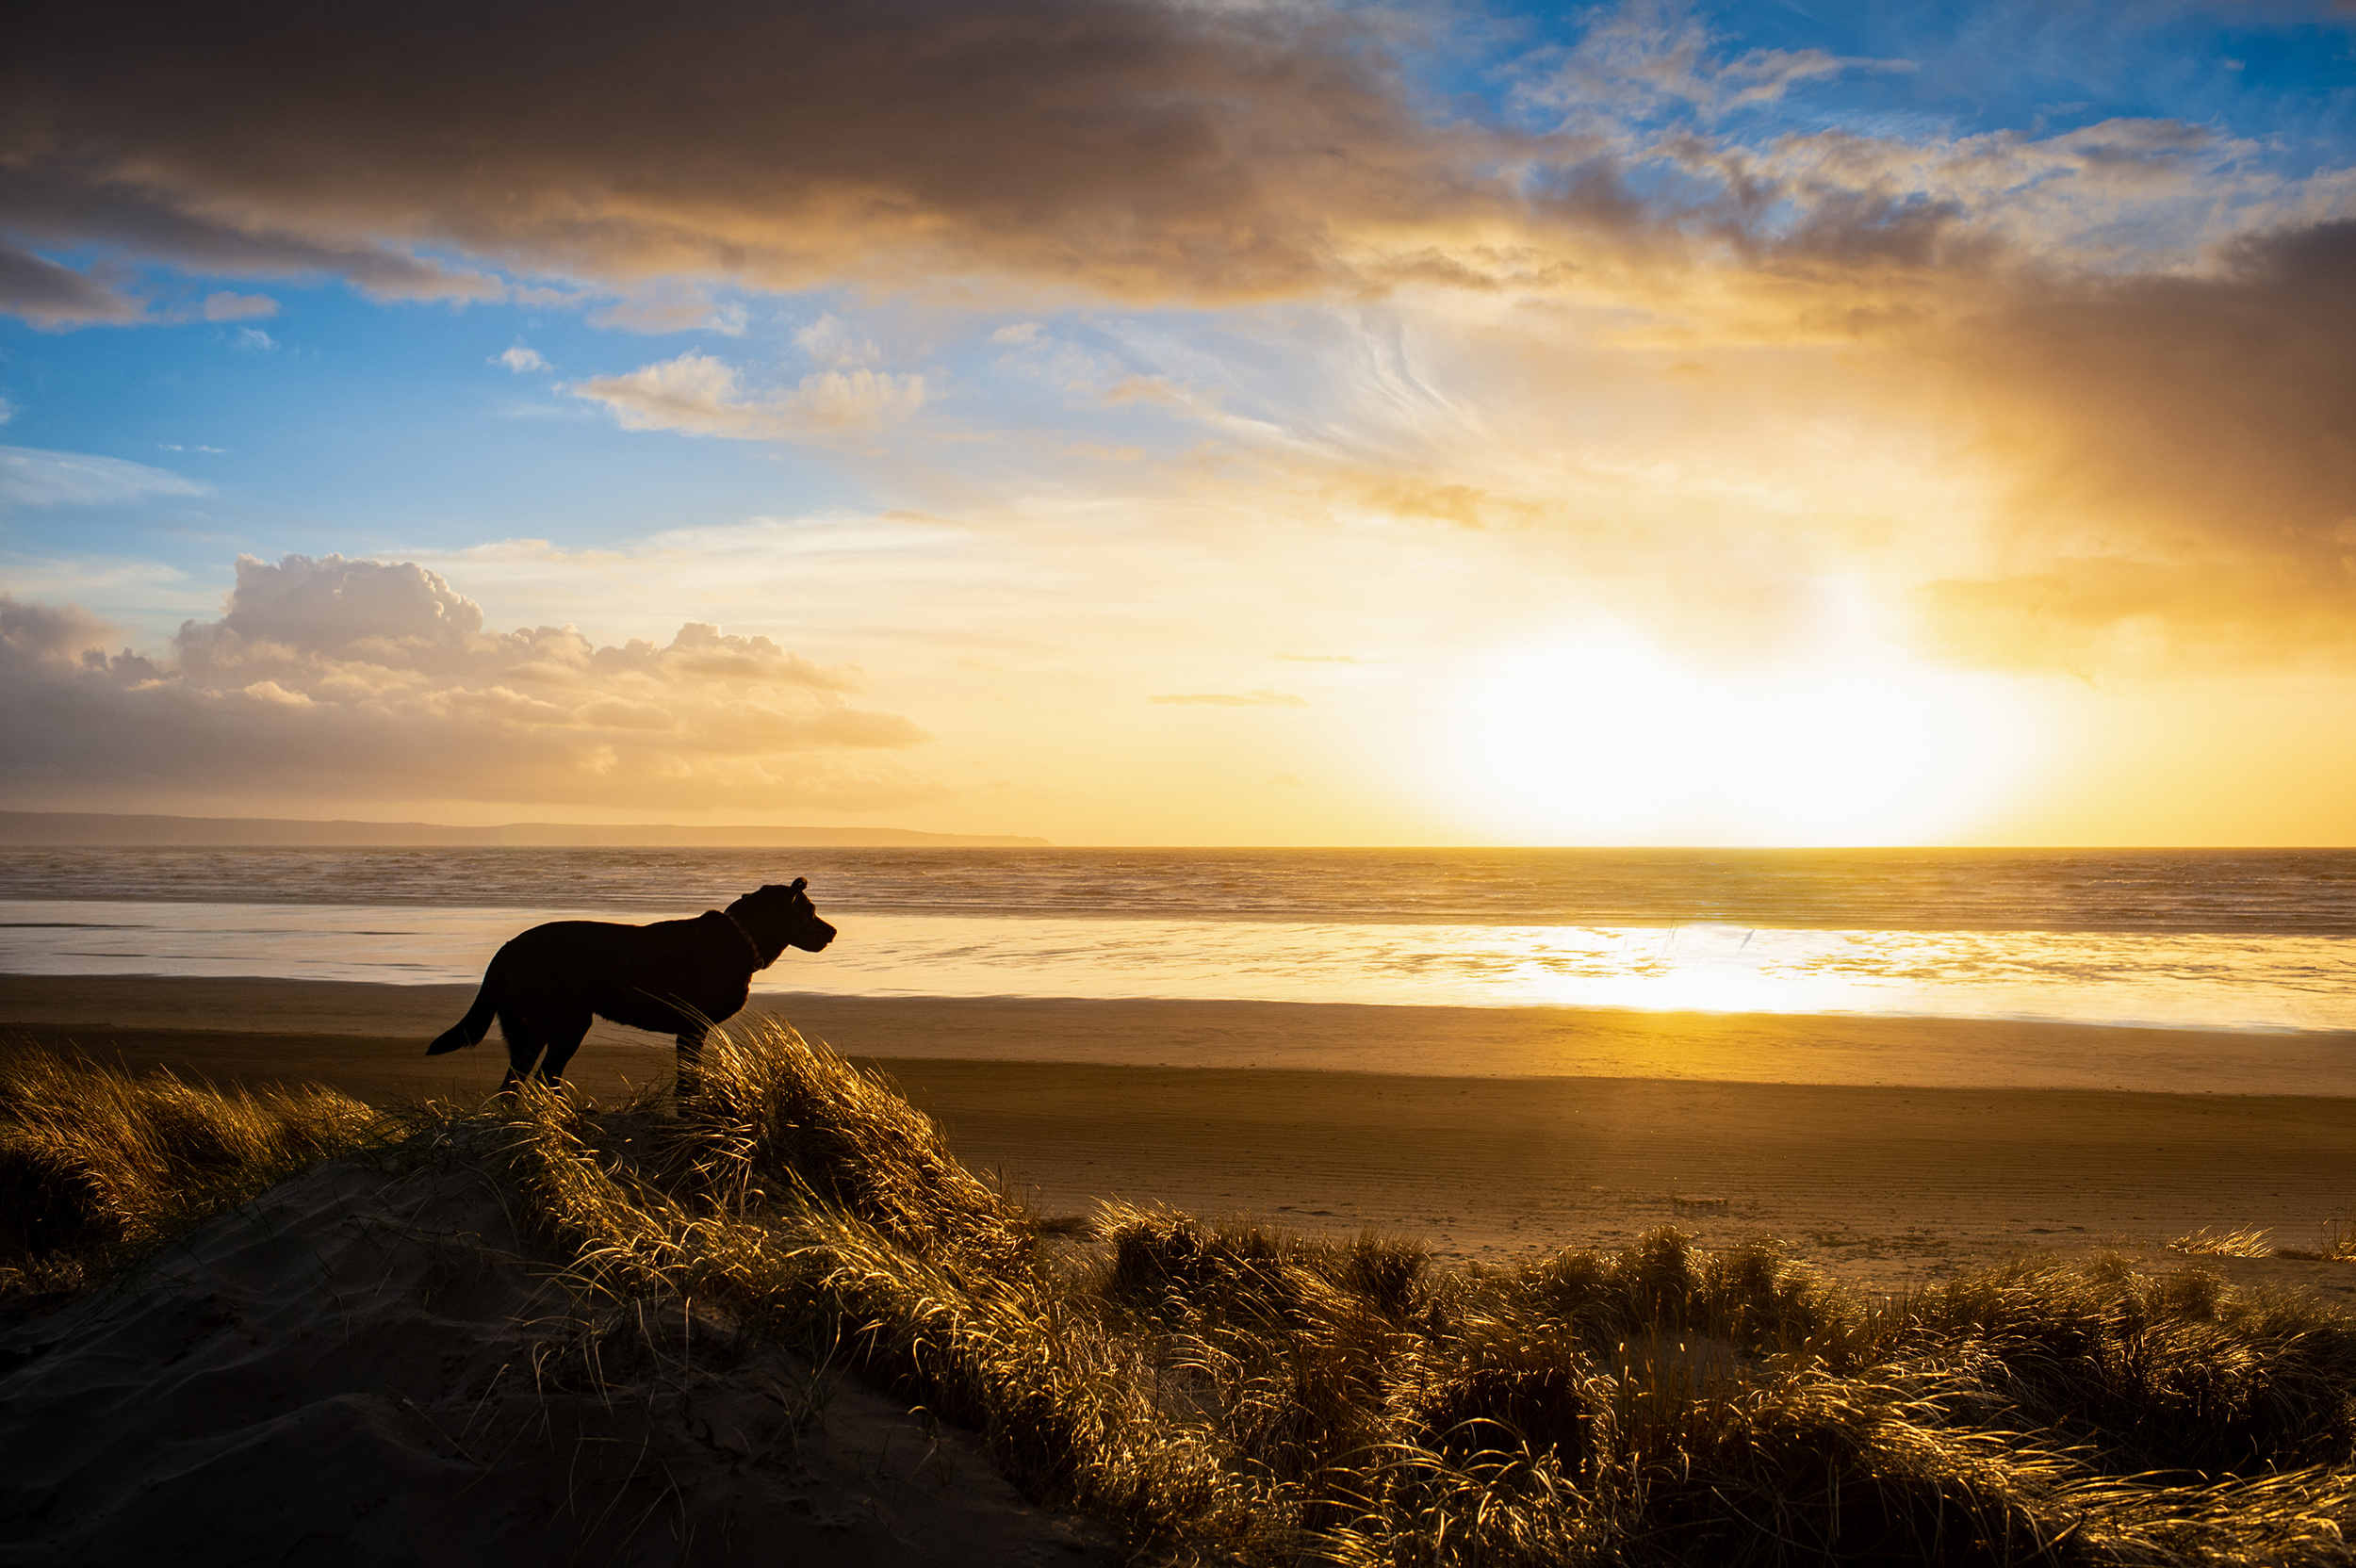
<point>477,1024</point>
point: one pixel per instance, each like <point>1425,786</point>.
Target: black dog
<point>676,977</point>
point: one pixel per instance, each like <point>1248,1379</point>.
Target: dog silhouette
<point>676,977</point>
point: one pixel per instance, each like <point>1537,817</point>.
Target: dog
<point>675,977</point>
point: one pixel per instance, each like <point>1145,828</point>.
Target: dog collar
<point>759,962</point>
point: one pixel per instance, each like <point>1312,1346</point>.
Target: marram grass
<point>97,1165</point>
<point>1238,1394</point>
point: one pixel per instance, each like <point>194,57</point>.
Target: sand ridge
<point>368,1369</point>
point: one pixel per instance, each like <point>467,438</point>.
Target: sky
<point>1224,423</point>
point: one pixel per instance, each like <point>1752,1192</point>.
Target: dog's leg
<point>564,1039</point>
<point>523,1046</point>
<point>690,1051</point>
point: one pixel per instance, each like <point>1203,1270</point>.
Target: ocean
<point>2260,940</point>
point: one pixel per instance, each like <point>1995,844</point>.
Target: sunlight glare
<point>1604,738</point>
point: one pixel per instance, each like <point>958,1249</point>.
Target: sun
<point>1603,737</point>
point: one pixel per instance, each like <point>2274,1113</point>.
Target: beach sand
<point>1893,1151</point>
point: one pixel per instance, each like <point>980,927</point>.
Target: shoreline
<point>1892,1185</point>
<point>1420,1041</point>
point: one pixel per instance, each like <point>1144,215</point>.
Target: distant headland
<point>26,829</point>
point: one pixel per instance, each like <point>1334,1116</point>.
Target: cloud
<point>520,359</point>
<point>254,340</point>
<point>40,633</point>
<point>377,679</point>
<point>1127,147</point>
<point>29,477</point>
<point>1642,58</point>
<point>1232,699</point>
<point>55,297</point>
<point>698,394</point>
<point>1130,150</point>
<point>226,306</point>
<point>2181,454</point>
<point>669,304</point>
<point>830,342</point>
<point>138,217</point>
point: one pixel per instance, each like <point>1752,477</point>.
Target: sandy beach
<point>1893,1151</point>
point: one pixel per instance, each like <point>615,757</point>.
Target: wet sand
<point>1893,1151</point>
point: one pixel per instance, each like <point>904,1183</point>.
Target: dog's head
<point>779,916</point>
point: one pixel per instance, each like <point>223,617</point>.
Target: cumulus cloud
<point>40,633</point>
<point>827,341</point>
<point>372,678</point>
<point>700,396</point>
<point>520,359</point>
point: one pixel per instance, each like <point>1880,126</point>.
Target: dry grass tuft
<point>2337,1244</point>
<point>96,1163</point>
<point>2243,1242</point>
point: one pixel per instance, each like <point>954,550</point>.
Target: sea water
<point>2241,940</point>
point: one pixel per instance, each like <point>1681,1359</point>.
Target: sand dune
<point>362,1369</point>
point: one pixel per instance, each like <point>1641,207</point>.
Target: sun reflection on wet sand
<point>2091,977</point>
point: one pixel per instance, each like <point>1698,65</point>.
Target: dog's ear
<point>799,883</point>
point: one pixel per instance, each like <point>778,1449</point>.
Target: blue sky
<point>1222,391</point>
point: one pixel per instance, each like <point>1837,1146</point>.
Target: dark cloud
<point>2184,452</point>
<point>72,209</point>
<point>370,680</point>
<point>1131,148</point>
<point>49,295</point>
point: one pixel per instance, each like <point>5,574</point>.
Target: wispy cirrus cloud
<point>1637,60</point>
<point>30,476</point>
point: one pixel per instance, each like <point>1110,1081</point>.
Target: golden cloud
<point>370,679</point>
<point>700,396</point>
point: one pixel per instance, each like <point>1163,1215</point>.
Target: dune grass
<point>1233,1392</point>
<point>2241,1242</point>
<point>97,1165</point>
